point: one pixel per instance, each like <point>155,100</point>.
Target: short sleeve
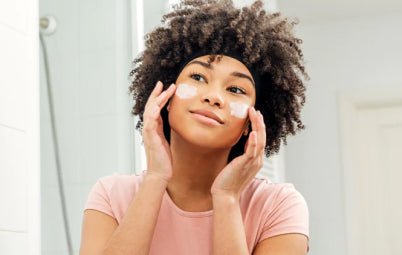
<point>290,214</point>
<point>99,196</point>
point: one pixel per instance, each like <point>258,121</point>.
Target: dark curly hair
<point>267,45</point>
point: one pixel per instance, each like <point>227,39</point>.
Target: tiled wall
<point>342,53</point>
<point>89,59</point>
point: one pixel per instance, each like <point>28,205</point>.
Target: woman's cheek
<point>184,91</point>
<point>239,109</point>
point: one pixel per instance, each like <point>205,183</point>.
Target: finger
<point>255,121</point>
<point>263,127</point>
<point>261,132</point>
<point>165,95</point>
<point>253,115</point>
<point>160,101</point>
<point>157,90</point>
<point>252,143</point>
<point>255,143</point>
<point>150,118</point>
<point>155,104</point>
<point>251,150</point>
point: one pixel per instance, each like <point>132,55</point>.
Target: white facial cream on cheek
<point>239,109</point>
<point>185,91</point>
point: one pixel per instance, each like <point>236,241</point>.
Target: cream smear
<point>185,91</point>
<point>239,109</point>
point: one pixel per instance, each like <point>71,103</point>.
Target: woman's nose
<point>213,97</point>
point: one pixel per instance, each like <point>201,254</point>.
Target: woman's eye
<point>196,75</point>
<point>233,89</point>
<point>238,89</point>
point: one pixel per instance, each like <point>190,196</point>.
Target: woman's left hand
<point>236,175</point>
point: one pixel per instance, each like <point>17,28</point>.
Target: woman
<point>233,96</point>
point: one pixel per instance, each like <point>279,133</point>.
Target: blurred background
<point>65,118</point>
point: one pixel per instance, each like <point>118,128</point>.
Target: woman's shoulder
<point>113,193</point>
<point>267,192</point>
<point>117,186</point>
<point>116,176</point>
<point>122,180</point>
<point>265,185</point>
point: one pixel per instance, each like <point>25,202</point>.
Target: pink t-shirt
<point>268,209</point>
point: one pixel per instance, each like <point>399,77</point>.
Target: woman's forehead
<point>221,60</point>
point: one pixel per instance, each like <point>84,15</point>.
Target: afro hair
<point>267,45</point>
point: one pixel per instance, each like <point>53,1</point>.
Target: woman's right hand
<point>157,149</point>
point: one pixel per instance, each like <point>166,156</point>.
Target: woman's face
<point>217,89</point>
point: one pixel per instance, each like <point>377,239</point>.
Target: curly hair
<point>267,45</point>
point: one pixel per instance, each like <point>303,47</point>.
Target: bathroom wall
<point>19,128</point>
<point>347,46</point>
<point>89,61</point>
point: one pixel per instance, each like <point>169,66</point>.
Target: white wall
<point>19,128</point>
<point>343,53</point>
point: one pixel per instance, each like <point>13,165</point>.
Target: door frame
<point>349,103</point>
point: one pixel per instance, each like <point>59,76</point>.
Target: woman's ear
<point>245,133</point>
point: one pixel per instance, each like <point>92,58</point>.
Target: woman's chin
<point>205,137</point>
<point>209,140</point>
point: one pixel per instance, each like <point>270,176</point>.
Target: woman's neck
<point>194,167</point>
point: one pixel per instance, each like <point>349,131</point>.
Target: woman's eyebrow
<point>209,66</point>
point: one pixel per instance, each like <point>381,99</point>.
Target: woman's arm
<point>135,232</point>
<point>228,230</point>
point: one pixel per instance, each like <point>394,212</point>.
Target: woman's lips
<point>209,114</point>
<point>205,119</point>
